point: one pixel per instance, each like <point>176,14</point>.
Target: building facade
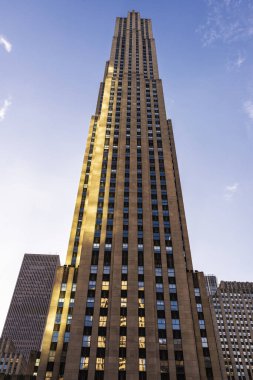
<point>127,304</point>
<point>233,308</point>
<point>27,315</point>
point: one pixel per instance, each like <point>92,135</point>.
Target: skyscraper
<point>128,304</point>
<point>27,315</point>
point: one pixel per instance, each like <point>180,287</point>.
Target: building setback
<point>233,308</point>
<point>127,304</point>
<point>26,318</point>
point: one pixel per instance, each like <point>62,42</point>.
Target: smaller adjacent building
<point>27,315</point>
<point>232,305</point>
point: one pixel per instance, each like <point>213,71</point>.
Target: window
<point>88,320</point>
<point>124,269</point>
<point>172,288</point>
<point>142,342</point>
<point>204,342</point>
<point>123,320</point>
<point>106,270</point>
<point>102,320</point>
<point>93,269</point>
<point>71,302</point>
<point>161,323</point>
<point>159,288</point>
<point>90,302</point>
<point>122,341</point>
<point>105,285</point>
<point>123,285</point>
<point>58,318</point>
<point>61,302</point>
<point>100,363</point>
<point>202,324</point>
<point>86,340</point>
<point>55,336</point>
<point>173,305</point>
<point>122,364</point>
<point>123,302</point>
<point>51,356</point>
<point>175,324</point>
<point>84,362</point>
<point>141,321</point>
<point>66,337</point>
<point>104,302</point>
<point>160,305</point>
<point>101,341</point>
<point>141,303</point>
<point>92,284</point>
<point>142,365</point>
<point>199,307</point>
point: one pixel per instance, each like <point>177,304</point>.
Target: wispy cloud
<point>240,60</point>
<point>236,62</point>
<point>248,108</point>
<point>4,109</point>
<point>227,21</point>
<point>5,43</point>
<point>230,191</point>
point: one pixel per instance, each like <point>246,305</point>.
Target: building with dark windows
<point>233,309</point>
<point>27,315</point>
<point>127,304</point>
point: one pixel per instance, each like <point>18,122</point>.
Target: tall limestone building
<point>127,304</point>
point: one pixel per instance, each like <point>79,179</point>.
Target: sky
<point>52,58</point>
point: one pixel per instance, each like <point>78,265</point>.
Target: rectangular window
<point>102,320</point>
<point>66,337</point>
<point>175,324</point>
<point>122,341</point>
<point>122,364</point>
<point>88,320</point>
<point>86,341</point>
<point>84,362</point>
<point>161,323</point>
<point>142,365</point>
<point>104,302</point>
<point>204,342</point>
<point>55,336</point>
<point>100,364</point>
<point>101,341</point>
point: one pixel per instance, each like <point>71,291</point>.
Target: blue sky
<point>52,57</point>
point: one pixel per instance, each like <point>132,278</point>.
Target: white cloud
<point>4,109</point>
<point>248,108</point>
<point>6,44</point>
<point>230,191</point>
<point>236,62</point>
<point>240,60</point>
<point>227,21</point>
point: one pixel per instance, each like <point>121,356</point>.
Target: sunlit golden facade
<point>127,304</point>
